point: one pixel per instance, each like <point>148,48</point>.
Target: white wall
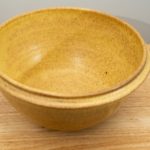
<point>137,9</point>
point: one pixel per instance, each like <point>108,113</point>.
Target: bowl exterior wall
<point>65,119</point>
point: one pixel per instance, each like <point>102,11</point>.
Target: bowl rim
<point>36,91</point>
<point>13,93</point>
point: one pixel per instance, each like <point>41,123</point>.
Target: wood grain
<point>129,129</point>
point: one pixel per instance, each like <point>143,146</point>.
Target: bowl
<point>70,68</point>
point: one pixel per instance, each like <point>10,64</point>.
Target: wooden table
<point>128,129</point>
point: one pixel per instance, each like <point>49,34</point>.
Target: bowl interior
<point>69,52</point>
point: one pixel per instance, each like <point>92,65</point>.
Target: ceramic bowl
<point>69,68</point>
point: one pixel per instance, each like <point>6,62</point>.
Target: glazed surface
<point>69,52</point>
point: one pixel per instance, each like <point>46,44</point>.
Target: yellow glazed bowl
<point>68,68</point>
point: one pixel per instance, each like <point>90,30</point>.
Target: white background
<point>136,9</point>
